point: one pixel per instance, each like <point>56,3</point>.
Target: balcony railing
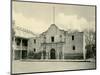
<point>24,47</point>
<point>21,48</point>
<point>18,47</point>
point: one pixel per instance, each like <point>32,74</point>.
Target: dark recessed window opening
<point>35,41</point>
<point>60,37</point>
<point>18,41</point>
<point>73,47</point>
<point>72,37</point>
<point>52,39</point>
<point>34,50</point>
<point>25,42</point>
<point>44,39</point>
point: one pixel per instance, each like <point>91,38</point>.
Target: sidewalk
<point>58,60</point>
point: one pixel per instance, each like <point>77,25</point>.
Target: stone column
<point>56,53</point>
<point>49,54</point>
<point>13,48</point>
<point>42,54</point>
<point>84,50</point>
<point>63,51</point>
<point>46,55</point>
<point>21,49</point>
<point>27,48</point>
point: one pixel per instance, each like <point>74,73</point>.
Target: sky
<point>38,17</point>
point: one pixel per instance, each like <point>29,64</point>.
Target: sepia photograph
<point>52,37</point>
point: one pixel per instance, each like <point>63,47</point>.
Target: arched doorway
<point>52,54</point>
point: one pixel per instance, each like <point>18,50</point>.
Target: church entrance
<point>52,54</point>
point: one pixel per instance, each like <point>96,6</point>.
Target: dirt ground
<point>35,66</point>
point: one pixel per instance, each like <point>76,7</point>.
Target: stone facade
<point>58,44</point>
<point>51,44</point>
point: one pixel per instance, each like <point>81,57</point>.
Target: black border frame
<point>55,61</point>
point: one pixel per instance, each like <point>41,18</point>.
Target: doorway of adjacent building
<point>52,54</point>
<point>24,54</point>
<point>17,54</point>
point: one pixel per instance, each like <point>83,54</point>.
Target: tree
<point>13,32</point>
<point>90,38</point>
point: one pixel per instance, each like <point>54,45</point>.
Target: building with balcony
<point>20,42</point>
<point>51,44</point>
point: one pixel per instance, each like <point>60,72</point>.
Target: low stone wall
<point>73,56</point>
